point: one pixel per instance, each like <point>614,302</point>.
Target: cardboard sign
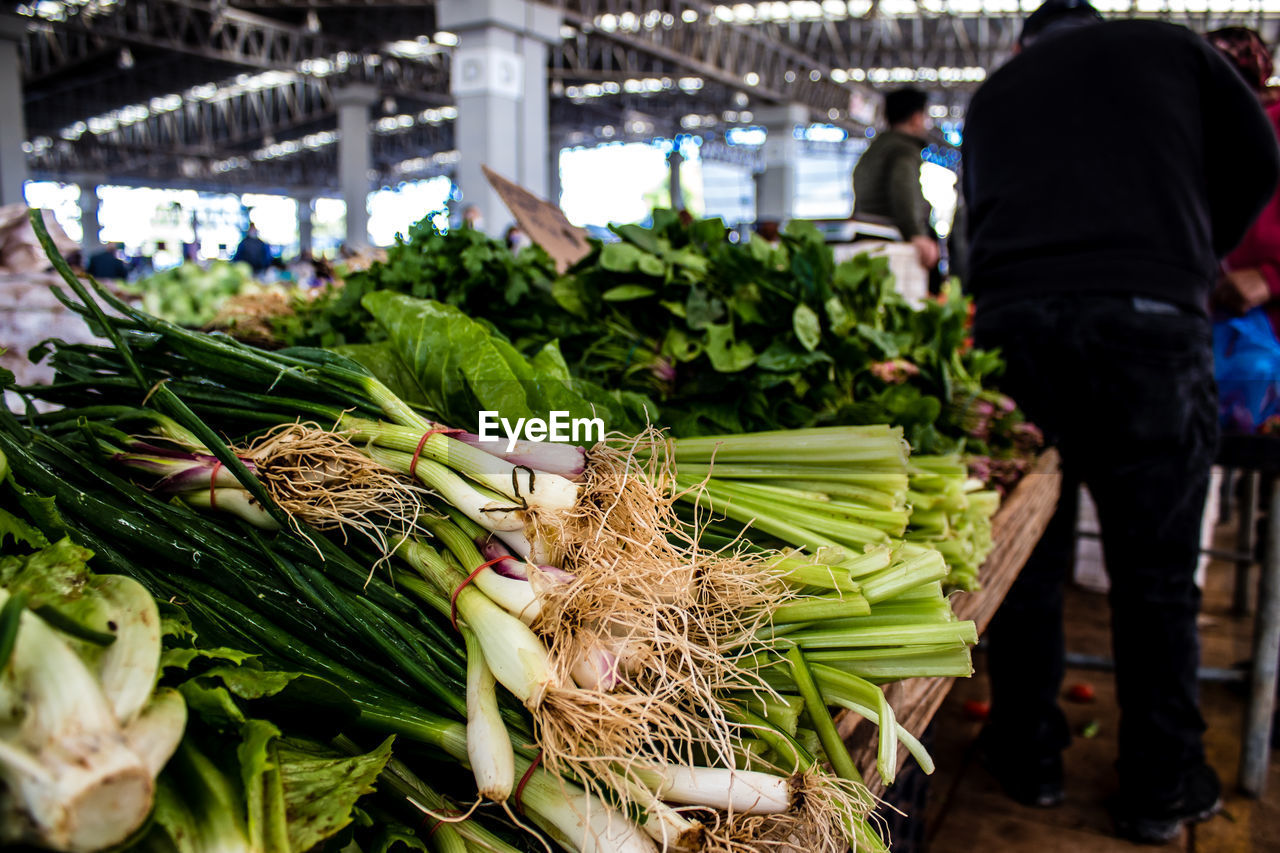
<point>544,222</point>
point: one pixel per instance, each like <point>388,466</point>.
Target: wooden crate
<point>1016,528</point>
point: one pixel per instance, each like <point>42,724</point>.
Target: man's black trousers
<point>1124,387</point>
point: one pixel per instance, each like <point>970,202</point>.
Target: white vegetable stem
<point>127,668</point>
<point>538,489</point>
<point>742,791</point>
<point>70,780</point>
<point>492,513</point>
<point>517,658</point>
<point>488,742</point>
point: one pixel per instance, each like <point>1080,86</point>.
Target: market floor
<point>966,810</point>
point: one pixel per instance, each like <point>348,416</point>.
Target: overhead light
<point>388,105</point>
<point>312,23</point>
<point>126,58</point>
<point>446,38</point>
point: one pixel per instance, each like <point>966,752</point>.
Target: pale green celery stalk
<point>900,653</point>
<point>891,521</point>
<point>863,698</point>
<point>817,513</point>
<point>921,501</point>
<point>949,465</point>
<point>932,521</point>
<point>874,480</point>
<point>952,663</point>
<point>875,559</point>
<point>866,445</point>
<point>782,711</point>
<point>498,515</point>
<point>515,596</point>
<point>932,591</point>
<point>937,609</point>
<point>817,504</point>
<point>832,744</point>
<point>821,608</point>
<point>873,498</point>
<point>792,533</point>
<point>912,572</point>
<point>796,527</point>
<point>876,620</point>
<point>804,572</point>
<point>543,490</point>
<point>903,635</point>
<point>847,690</point>
<point>516,656</point>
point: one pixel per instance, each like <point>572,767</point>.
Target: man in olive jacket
<point>886,181</point>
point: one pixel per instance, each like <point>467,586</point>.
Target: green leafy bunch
<point>461,267</point>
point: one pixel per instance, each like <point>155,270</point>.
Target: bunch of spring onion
<point>952,512</point>
<point>368,628</point>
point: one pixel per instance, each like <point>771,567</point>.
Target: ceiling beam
<point>689,37</point>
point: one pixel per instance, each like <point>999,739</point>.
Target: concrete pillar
<point>91,241</point>
<point>500,86</point>
<point>304,224</point>
<point>674,159</point>
<point>13,126</point>
<point>776,185</point>
<point>554,187</point>
<point>354,158</point>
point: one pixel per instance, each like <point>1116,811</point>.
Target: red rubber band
<point>453,599</point>
<point>213,484</point>
<point>439,822</point>
<point>421,443</point>
<point>524,780</point>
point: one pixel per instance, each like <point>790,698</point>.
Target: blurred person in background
<point>1109,166</point>
<point>886,179</point>
<point>254,252</point>
<point>1251,273</point>
<point>107,263</point>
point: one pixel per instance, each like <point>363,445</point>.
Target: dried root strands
<point>827,815</point>
<point>320,478</point>
<point>652,629</point>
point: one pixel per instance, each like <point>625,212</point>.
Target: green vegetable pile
<point>719,336</point>
<point>535,624</point>
<point>192,294</point>
<point>123,731</point>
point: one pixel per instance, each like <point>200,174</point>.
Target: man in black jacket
<point>1108,167</point>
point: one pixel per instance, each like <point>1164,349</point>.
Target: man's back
<point>1119,157</point>
<point>886,183</point>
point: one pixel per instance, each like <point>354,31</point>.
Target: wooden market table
<point>1016,528</point>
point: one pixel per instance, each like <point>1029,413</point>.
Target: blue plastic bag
<point>1246,363</point>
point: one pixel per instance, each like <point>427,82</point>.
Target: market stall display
<point>338,503</point>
